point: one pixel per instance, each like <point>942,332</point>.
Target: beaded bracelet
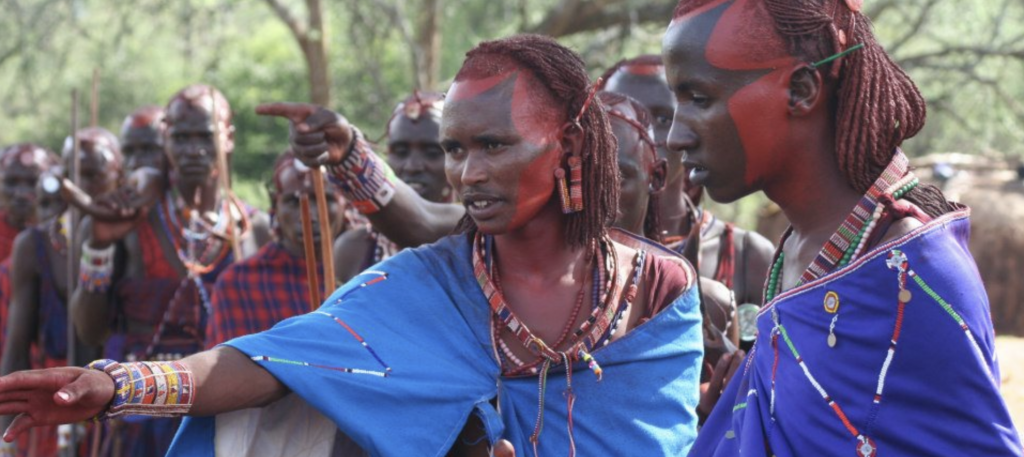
<point>163,389</point>
<point>96,269</point>
<point>364,178</point>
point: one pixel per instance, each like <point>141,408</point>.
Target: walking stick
<point>327,257</point>
<point>225,181</point>
<point>94,120</point>
<point>307,243</point>
<point>72,265</point>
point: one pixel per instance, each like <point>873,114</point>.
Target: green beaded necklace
<point>774,285</point>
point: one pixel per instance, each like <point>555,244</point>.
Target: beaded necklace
<point>594,331</point>
<point>846,244</point>
<point>583,340</point>
<point>707,221</point>
<point>58,234</point>
<point>202,254</point>
<point>848,241</point>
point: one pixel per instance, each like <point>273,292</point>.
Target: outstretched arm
<point>224,380</point>
<point>323,137</point>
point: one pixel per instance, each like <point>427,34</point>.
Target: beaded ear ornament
<point>571,194</point>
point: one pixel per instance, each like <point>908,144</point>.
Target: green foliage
<point>148,49</point>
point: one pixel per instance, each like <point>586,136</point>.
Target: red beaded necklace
<point>582,341</point>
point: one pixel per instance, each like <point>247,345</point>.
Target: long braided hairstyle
<point>641,121</point>
<point>877,104</point>
<point>563,76</point>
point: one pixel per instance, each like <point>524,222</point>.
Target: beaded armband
<point>364,178</point>
<point>164,389</point>
<point>96,269</point>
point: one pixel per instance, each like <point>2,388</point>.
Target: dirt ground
<point>1011,363</point>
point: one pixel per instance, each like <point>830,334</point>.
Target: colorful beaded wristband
<point>96,269</point>
<point>364,178</point>
<point>164,389</point>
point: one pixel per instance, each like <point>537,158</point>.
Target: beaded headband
<point>644,136</point>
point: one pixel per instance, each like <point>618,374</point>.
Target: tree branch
<point>288,18</point>
<point>562,20</point>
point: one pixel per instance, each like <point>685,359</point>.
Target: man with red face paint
<point>733,256</point>
<point>522,299</point>
<point>142,139</point>
<point>873,297</point>
<point>36,329</point>
<point>415,155</point>
<point>148,268</point>
<point>20,167</point>
<point>271,286</point>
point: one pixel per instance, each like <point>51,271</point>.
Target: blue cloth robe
<point>428,325</point>
<point>941,393</point>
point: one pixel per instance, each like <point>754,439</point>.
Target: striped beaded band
<point>96,268</point>
<point>364,178</point>
<point>163,389</point>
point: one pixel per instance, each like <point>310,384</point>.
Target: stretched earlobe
<point>805,90</point>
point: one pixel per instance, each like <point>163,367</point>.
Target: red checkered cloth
<point>7,234</point>
<point>253,295</point>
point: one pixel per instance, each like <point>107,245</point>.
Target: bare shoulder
<point>900,228</point>
<point>23,253</point>
<point>350,252</point>
<point>756,245</point>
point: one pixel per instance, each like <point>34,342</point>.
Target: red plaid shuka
<point>7,234</point>
<point>253,295</point>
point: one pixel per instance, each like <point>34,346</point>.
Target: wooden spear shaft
<point>307,243</point>
<point>225,182</point>
<point>326,239</point>
<point>94,121</point>
<point>72,264</point>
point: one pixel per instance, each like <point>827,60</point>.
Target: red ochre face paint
<point>729,71</point>
<point>501,134</point>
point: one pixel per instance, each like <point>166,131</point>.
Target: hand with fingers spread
<point>723,372</point>
<point>54,396</point>
<point>318,136</point>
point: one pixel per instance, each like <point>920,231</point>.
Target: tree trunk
<point>428,41</point>
<point>314,47</point>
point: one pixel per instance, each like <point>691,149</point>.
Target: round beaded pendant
<point>866,447</point>
<point>831,302</point>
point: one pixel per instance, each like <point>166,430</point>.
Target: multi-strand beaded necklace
<point>845,245</point>
<point>849,240</point>
<point>594,332</point>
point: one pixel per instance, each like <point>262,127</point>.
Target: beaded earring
<point>563,191</point>
<point>576,183</point>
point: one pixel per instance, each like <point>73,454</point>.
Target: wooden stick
<point>225,181</point>
<point>307,242</point>
<point>326,240</point>
<point>95,119</point>
<point>72,262</point>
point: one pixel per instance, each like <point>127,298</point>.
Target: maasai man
<point>158,298</point>
<point>20,167</point>
<point>641,181</point>
<point>271,286</point>
<point>37,333</point>
<point>142,139</point>
<point>880,342</point>
<point>415,155</point>
<point>733,256</point>
<point>431,337</point>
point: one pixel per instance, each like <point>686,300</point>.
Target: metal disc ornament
<point>831,340</point>
<point>747,316</point>
<point>905,295</point>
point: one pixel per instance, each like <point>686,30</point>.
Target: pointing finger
<point>295,112</point>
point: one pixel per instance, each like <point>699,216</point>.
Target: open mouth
<point>481,206</point>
